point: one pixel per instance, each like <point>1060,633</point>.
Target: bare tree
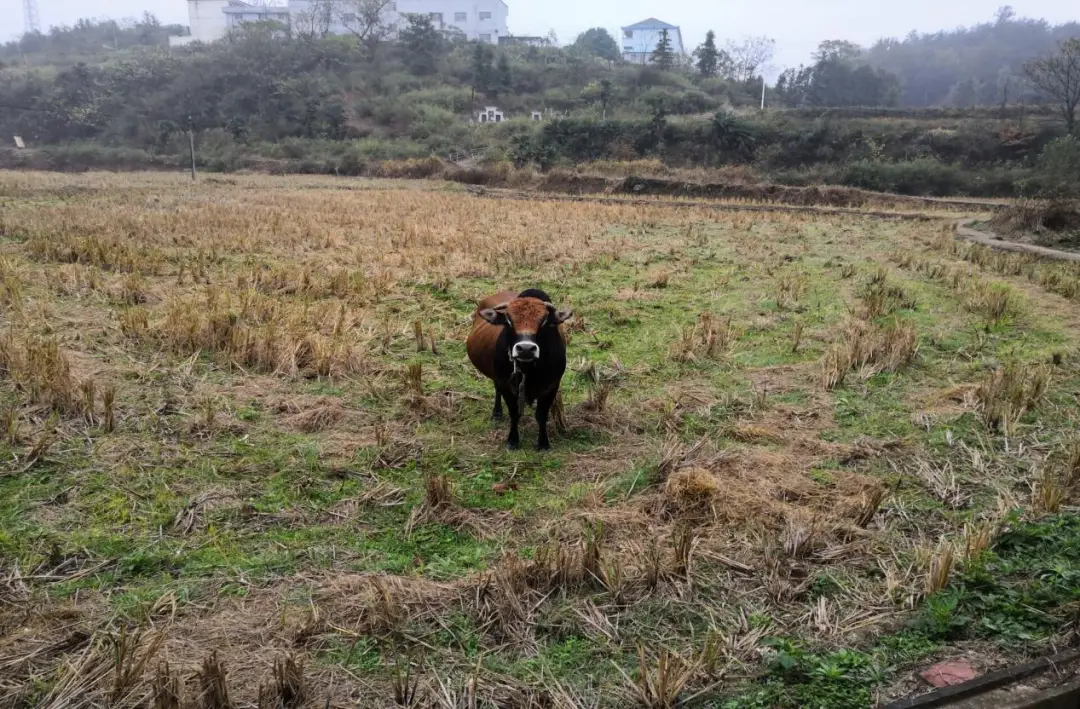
<point>371,21</point>
<point>315,20</point>
<point>749,57</point>
<point>1058,76</point>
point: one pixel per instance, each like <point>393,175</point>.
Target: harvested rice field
<point>245,461</point>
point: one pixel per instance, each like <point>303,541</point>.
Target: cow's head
<point>524,320</point>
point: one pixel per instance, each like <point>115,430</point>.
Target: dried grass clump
<point>659,687</point>
<point>11,292</point>
<point>994,301</point>
<point>1072,464</point>
<point>263,333</point>
<point>41,372</point>
<point>1048,494</point>
<point>941,566</point>
<point>440,506</point>
<point>692,495</point>
<point>213,684</point>
<point>288,690</point>
<point>977,539</point>
<point>873,348</point>
<point>879,297</point>
<point>709,338</point>
<point>1009,392</point>
<point>321,417</point>
<point>790,288</point>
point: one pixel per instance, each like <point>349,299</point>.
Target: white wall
<point>207,20</point>
<point>237,19</point>
<point>640,46</point>
<point>488,29</point>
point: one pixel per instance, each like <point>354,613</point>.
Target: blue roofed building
<point>640,39</point>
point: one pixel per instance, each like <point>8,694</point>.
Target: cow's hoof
<point>543,446</point>
<point>497,416</point>
<point>513,445</point>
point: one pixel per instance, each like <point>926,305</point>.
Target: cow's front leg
<point>513,441</point>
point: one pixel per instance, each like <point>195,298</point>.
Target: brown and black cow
<point>516,342</point>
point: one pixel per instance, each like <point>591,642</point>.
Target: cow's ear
<point>494,316</point>
<point>558,317</point>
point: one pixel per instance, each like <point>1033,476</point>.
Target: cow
<point>517,343</point>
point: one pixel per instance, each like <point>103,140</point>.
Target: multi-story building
<point>211,20</point>
<point>639,40</point>
<point>478,20</point>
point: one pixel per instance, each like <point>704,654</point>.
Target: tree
<point>837,50</point>
<point>422,44</point>
<point>606,92</point>
<point>749,57</point>
<point>930,66</point>
<point>598,42</point>
<point>482,71</point>
<point>1058,77</point>
<point>504,77</point>
<point>315,21</point>
<point>837,78</point>
<point>708,56</point>
<point>1059,167</point>
<point>663,56</point>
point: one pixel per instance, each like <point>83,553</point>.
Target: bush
<point>680,102</point>
<point>1059,167</point>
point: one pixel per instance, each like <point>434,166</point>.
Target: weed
<point>941,566</point>
<point>796,336</point>
<point>660,687</point>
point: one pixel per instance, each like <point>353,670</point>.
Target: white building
<point>639,40</point>
<point>240,13</point>
<point>479,20</point>
<point>211,20</point>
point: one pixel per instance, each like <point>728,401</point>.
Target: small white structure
<point>490,114</point>
<point>538,115</point>
<point>19,142</point>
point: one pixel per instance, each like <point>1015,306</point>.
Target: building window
<point>485,38</point>
<point>349,18</point>
<point>628,47</point>
<point>461,17</point>
<point>485,15</point>
<point>628,34</point>
<point>436,17</point>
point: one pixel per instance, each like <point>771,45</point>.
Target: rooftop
<point>651,24</point>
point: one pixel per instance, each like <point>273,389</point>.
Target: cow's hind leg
<point>497,413</point>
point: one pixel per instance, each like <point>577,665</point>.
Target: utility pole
<point>31,17</point>
<point>762,92</point>
<point>191,140</point>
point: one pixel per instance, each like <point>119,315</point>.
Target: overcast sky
<point>797,25</point>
